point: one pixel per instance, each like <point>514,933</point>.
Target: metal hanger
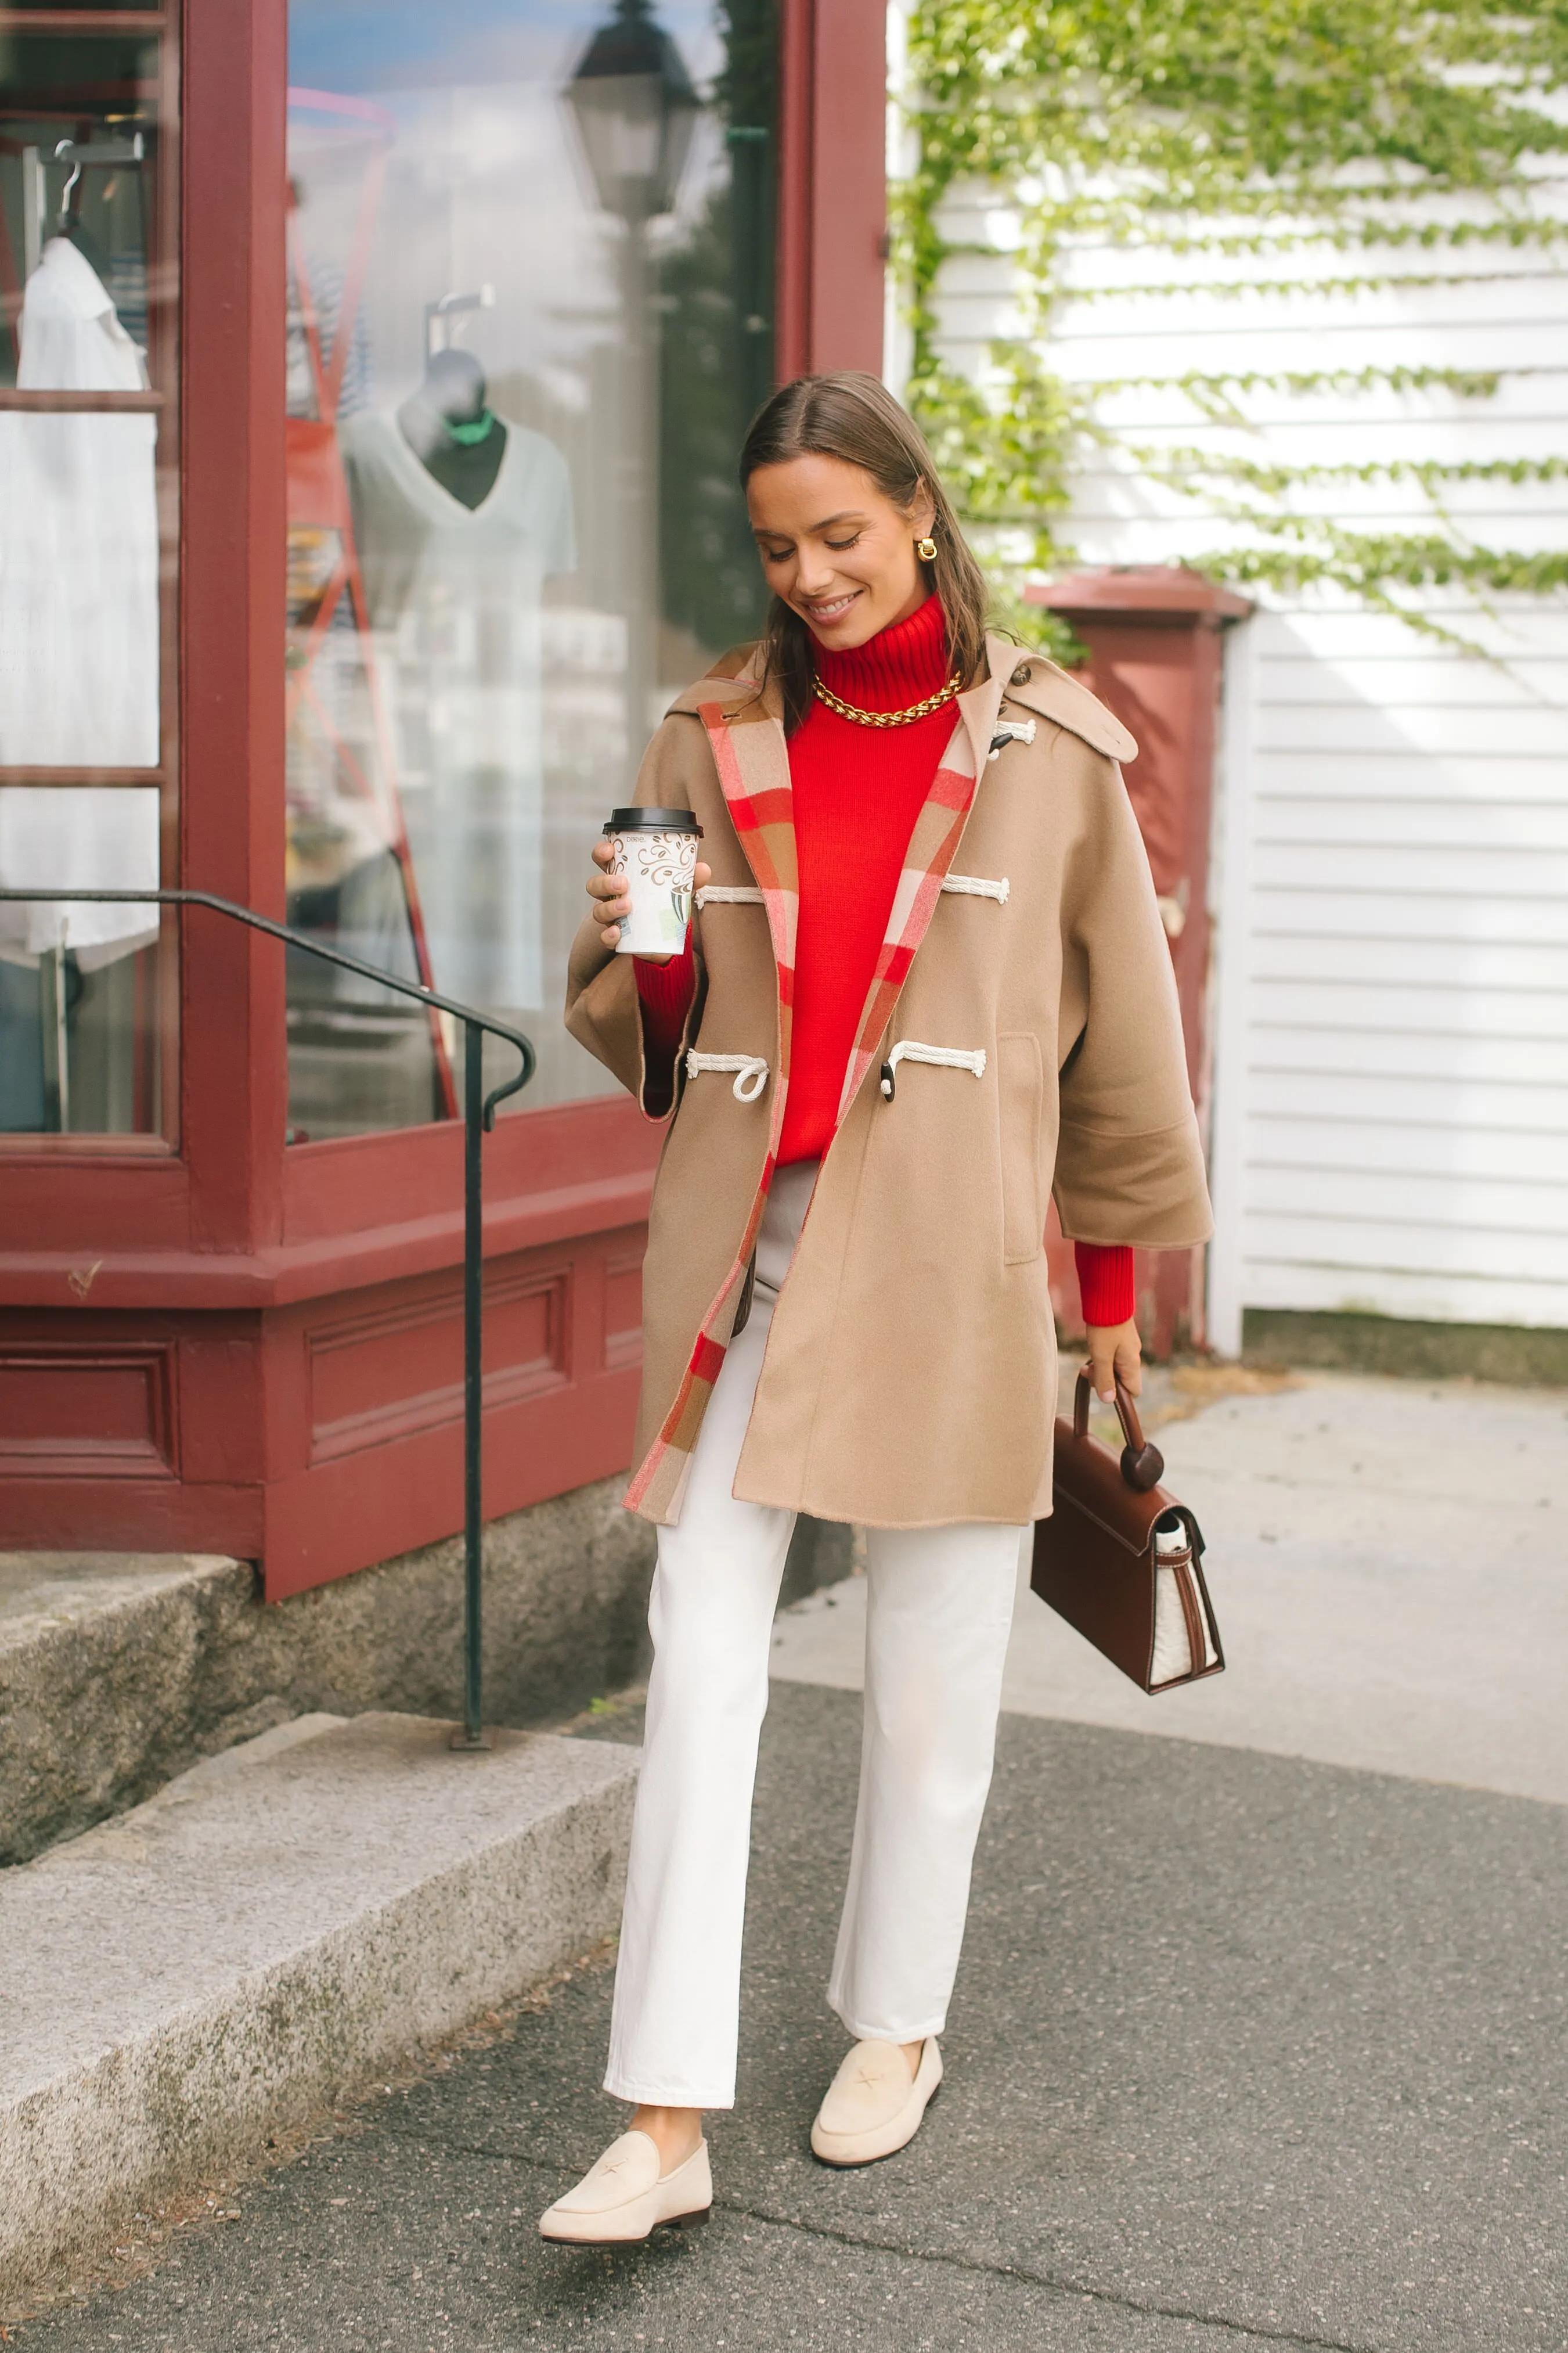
<point>95,152</point>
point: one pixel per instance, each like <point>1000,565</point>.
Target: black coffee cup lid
<point>652,820</point>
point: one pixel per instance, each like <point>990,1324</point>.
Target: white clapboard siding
<point>1387,823</point>
<point>1415,685</point>
<point>1387,1052</point>
<point>1399,775</point>
<point>1352,1098</point>
<point>1390,1096</point>
<point>1486,973</point>
<point>1492,881</point>
<point>1405,1150</point>
<point>1447,1007</point>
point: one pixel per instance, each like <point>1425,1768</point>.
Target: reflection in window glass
<point>530,302</point>
<point>80,1015</point>
<point>87,362</point>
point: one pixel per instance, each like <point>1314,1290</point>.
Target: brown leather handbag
<point>1121,1559</point>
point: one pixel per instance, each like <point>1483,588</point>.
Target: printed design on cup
<point>663,862</point>
<point>658,864</point>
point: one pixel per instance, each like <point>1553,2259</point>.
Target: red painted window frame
<point>103,1242</point>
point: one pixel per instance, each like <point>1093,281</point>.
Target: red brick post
<point>1155,659</point>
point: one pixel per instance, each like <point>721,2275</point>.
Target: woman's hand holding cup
<point>609,896</point>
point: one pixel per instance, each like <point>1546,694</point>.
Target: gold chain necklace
<point>886,718</point>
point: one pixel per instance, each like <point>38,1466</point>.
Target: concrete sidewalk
<point>1251,2046</point>
<point>1390,1570</point>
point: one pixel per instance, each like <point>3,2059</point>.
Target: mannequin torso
<point>456,438</point>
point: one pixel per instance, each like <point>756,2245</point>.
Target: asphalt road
<point>1245,2051</point>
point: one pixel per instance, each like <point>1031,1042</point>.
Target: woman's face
<point>835,549</point>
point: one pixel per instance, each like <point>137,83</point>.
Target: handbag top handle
<point>1143,1465</point>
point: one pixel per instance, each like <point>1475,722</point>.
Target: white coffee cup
<point>655,855</point>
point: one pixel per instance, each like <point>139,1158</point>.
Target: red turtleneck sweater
<point>857,792</point>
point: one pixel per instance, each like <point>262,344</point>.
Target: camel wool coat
<point>1024,1016</point>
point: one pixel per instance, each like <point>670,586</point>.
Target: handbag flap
<point>1090,1476</point>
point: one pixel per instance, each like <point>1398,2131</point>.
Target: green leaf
<point>1211,128</point>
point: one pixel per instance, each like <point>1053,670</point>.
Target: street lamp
<point>636,113</point>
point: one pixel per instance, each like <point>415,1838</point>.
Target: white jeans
<point>939,1607</point>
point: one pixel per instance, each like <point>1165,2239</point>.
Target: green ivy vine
<point>1222,127</point>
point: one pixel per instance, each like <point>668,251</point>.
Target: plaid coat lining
<point>763,812</point>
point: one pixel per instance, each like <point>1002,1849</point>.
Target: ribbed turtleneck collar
<point>898,666</point>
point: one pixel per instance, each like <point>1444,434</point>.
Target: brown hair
<point>855,417</point>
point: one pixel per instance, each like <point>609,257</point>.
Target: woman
<point>927,985</point>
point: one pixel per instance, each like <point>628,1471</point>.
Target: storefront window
<point>531,303</point>
<point>88,206</point>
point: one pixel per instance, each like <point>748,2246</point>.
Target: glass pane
<point>531,311</point>
<point>88,503</point>
<point>80,1025</point>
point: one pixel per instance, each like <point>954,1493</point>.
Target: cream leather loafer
<point>872,2107</point>
<point>624,2196</point>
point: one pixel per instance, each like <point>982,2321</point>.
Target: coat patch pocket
<point>1020,1101</point>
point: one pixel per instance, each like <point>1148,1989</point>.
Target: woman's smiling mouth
<point>831,608</point>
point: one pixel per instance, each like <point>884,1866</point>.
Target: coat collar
<point>1052,693</point>
<point>979,704</point>
<point>732,682</point>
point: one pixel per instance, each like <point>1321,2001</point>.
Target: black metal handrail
<point>479,1116</point>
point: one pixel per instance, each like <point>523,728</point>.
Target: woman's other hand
<point>1115,1348</point>
<point>610,905</point>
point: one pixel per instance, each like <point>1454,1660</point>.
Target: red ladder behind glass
<point>317,500</point>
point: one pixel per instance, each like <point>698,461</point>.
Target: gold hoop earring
<point>926,549</point>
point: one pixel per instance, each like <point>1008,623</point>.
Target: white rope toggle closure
<point>1010,731</point>
<point>730,894</point>
<point>945,1058</point>
<point>975,886</point>
<point>751,1071</point>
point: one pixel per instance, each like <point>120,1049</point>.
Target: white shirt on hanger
<point>454,594</point>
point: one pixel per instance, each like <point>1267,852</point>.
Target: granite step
<point>222,1961</point>
<point>120,1669</point>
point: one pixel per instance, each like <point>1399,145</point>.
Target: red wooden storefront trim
<point>832,208</point>
<point>233,1075</point>
<point>615,1190</point>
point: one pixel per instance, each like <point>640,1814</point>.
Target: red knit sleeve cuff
<point>664,992</point>
<point>1105,1283</point>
